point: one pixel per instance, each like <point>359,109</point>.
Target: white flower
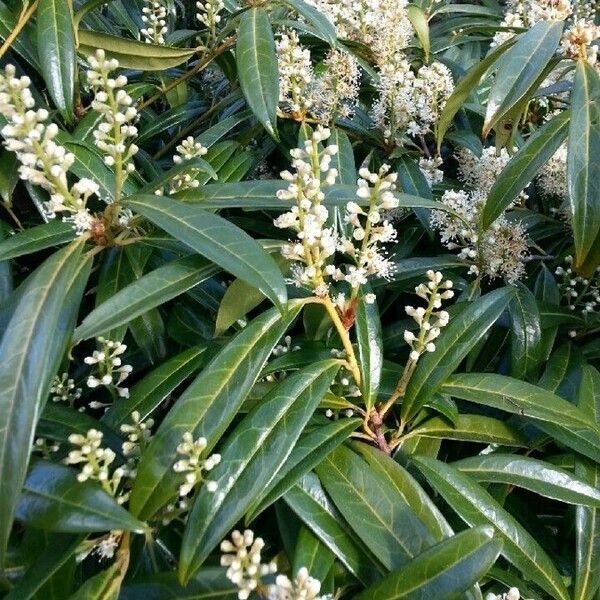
<point>187,151</point>
<point>63,389</point>
<point>209,15</point>
<point>295,73</point>
<point>502,249</point>
<point>138,434</point>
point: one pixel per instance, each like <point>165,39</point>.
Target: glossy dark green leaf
<point>412,493</point>
<point>465,86</point>
<point>310,502</point>
<point>207,406</point>
<point>443,571</point>
<point>569,425</point>
<point>209,584</point>
<point>61,550</point>
<point>321,24</point>
<point>53,233</point>
<point>583,170</point>
<point>453,345</point>
<point>387,523</point>
<point>54,500</point>
<point>252,455</point>
<point>370,349</point>
<point>256,59</point>
<point>587,519</point>
<point>312,554</point>
<point>531,474</point>
<point>132,54</point>
<point>526,333</point>
<point>24,43</point>
<point>218,240</point>
<point>25,371</point>
<point>56,51</point>
<point>470,428</point>
<point>520,68</point>
<point>147,292</point>
<point>477,507</point>
<point>524,165</point>
<point>308,452</point>
<point>239,299</point>
<point>146,395</point>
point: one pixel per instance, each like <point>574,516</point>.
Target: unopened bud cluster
<point>154,16</point>
<point>242,557</point>
<point>63,389</point>
<point>138,434</point>
<point>580,293</point>
<point>113,134</point>
<point>209,15</point>
<point>430,320</point>
<point>512,594</point>
<point>187,151</point>
<point>193,465</point>
<point>43,161</point>
<point>95,462</point>
<point>110,371</point>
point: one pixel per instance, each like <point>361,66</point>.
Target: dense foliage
<point>299,299</point>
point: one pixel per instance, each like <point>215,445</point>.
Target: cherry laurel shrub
<point>299,299</point>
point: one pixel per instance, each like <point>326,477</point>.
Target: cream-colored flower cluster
<point>154,15</point>
<point>109,368</point>
<point>63,389</point>
<point>512,594</point>
<point>138,434</point>
<point>332,94</point>
<point>193,465</point>
<point>479,173</point>
<point>499,252</point>
<point>430,320</point>
<point>242,557</point>
<point>315,242</point>
<point>410,103</point>
<point>209,14</point>
<point>43,161</point>
<point>96,463</point>
<point>114,133</point>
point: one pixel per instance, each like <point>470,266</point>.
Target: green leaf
<point>28,352</point>
<point>106,584</point>
<point>524,165</point>
<point>258,73</point>
<point>321,24</point>
<point>443,571</point>
<point>23,44</point>
<point>587,519</point>
<point>207,407</point>
<point>470,428</point>
<point>132,54</point>
<point>56,51</point>
<point>531,474</point>
<point>239,299</point>
<point>147,395</point>
<point>308,452</point>
<point>453,345</point>
<point>465,86</point>
<point>310,502</point>
<point>583,169</point>
<point>36,238</point>
<point>569,425</point>
<point>477,507</point>
<point>218,240</point>
<point>252,455</point>
<point>343,161</point>
<point>418,20</point>
<point>520,68</point>
<point>525,335</point>
<point>145,293</point>
<point>370,350</point>
<point>47,565</point>
<point>412,493</point>
<point>387,523</point>
<point>54,500</point>
<point>312,554</point>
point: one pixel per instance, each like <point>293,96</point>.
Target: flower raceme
<point>316,241</point>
